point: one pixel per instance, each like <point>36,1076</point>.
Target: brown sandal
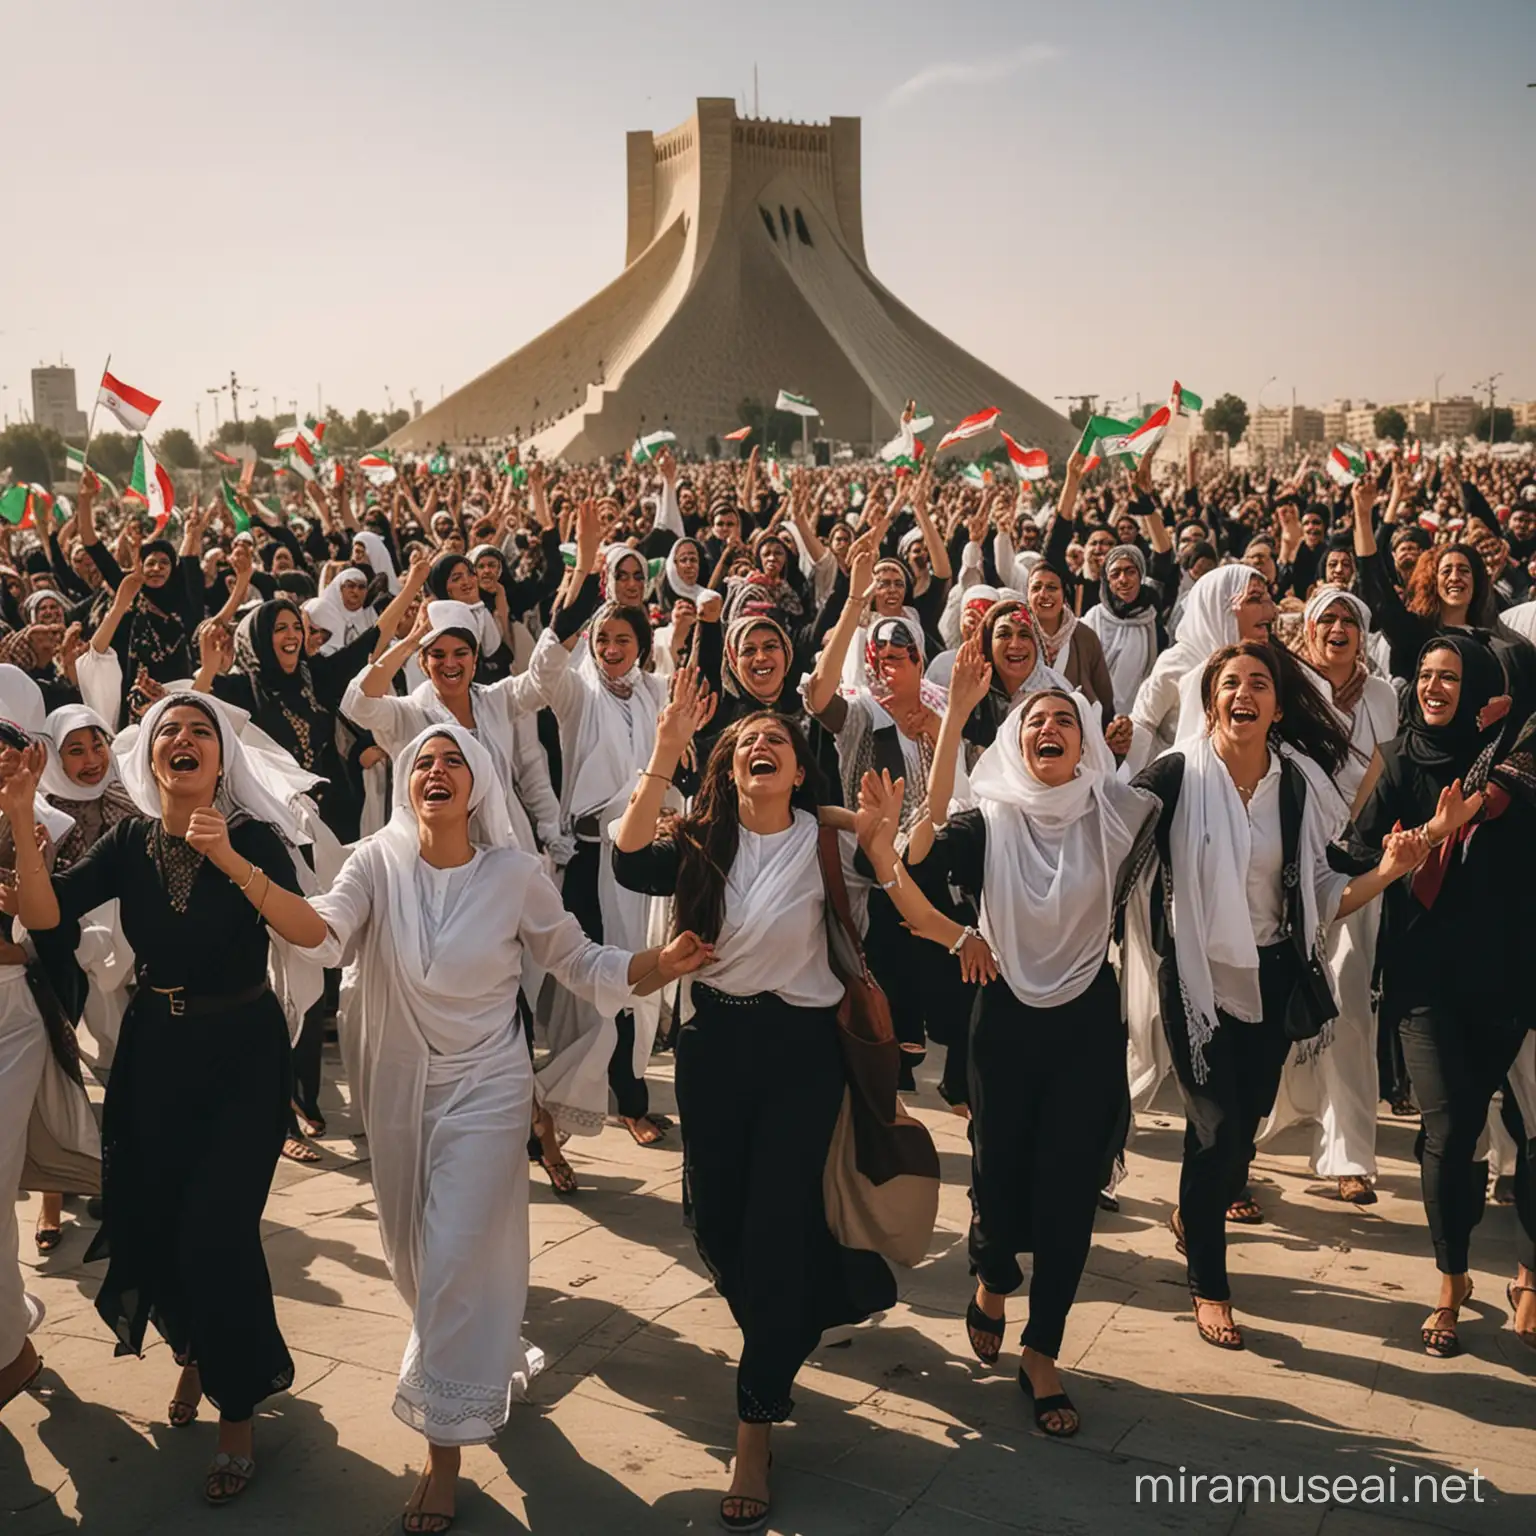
<point>1245,1211</point>
<point>424,1522</point>
<point>1223,1335</point>
<point>228,1477</point>
<point>297,1150</point>
<point>1443,1343</point>
<point>1355,1190</point>
<point>1511,1291</point>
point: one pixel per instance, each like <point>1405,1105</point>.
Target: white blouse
<point>774,934</point>
<point>1266,858</point>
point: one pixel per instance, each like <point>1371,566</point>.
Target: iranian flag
<point>1185,400</point>
<point>740,435</point>
<point>377,468</point>
<point>1345,464</point>
<point>796,405</point>
<point>1028,463</point>
<point>644,449</point>
<point>131,406</point>
<point>298,444</point>
<point>1102,436</point>
<point>238,515</point>
<point>1149,433</point>
<point>316,428</point>
<point>1415,452</point>
<point>973,426</point>
<point>152,486</point>
<point>23,504</point>
<point>974,474</point>
<point>75,467</point>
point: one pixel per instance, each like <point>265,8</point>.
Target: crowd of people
<point>515,774</point>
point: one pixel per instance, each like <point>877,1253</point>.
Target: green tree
<point>1525,435</point>
<point>1503,425</point>
<point>1390,423</point>
<point>32,453</point>
<point>113,454</point>
<point>395,419</point>
<point>1229,415</point>
<point>177,449</point>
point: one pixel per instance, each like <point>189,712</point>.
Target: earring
<point>1077,772</point>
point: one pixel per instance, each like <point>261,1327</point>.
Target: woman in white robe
<point>445,911</point>
<point>1337,1090</point>
<point>606,705</point>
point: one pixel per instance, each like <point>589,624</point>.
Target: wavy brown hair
<point>1422,593</point>
<point>1305,722</point>
<point>708,838</point>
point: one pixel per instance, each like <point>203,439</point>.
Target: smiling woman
<point>195,1115</point>
<point>759,1078</point>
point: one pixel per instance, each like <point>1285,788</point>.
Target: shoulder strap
<point>836,887</point>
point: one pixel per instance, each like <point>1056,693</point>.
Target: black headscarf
<point>442,569</point>
<point>1448,752</point>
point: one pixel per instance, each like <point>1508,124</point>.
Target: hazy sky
<point>1089,196</point>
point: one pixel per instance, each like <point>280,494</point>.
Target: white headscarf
<point>613,557</point>
<point>1052,857</point>
<point>694,591</point>
<point>341,624</point>
<point>55,780</point>
<point>1208,625</point>
<point>245,781</point>
<point>379,558</point>
<point>1130,644</point>
<point>1210,844</point>
<point>21,702</point>
<point>446,613</point>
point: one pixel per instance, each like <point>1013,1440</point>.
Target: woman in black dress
<point>197,1106</point>
<point>1453,942</point>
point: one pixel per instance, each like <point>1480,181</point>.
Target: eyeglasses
<point>1343,620</point>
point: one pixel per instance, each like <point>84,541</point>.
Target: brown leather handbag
<point>881,1181</point>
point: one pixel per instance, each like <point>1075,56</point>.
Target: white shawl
<point>1130,645</point>
<point>1210,844</point>
<point>1052,856</point>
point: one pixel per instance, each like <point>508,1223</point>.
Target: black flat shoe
<point>49,1238</point>
<point>1057,1402</point>
<point>986,1333</point>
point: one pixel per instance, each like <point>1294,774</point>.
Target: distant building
<point>1420,417</point>
<point>1283,425</point>
<point>1360,423</point>
<point>1524,412</point>
<point>1335,420</point>
<point>1453,417</point>
<point>54,402</point>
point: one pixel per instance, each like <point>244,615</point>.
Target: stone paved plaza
<point>897,1431</point>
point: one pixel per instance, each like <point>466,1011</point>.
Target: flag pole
<point>90,427</point>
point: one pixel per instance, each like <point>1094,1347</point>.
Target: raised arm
<point>688,710</point>
<point>824,680</point>
<point>399,605</point>
<point>968,685</point>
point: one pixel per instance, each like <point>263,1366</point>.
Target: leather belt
<point>588,828</point>
<point>180,1003</point>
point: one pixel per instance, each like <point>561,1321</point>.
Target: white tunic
<point>444,1085</point>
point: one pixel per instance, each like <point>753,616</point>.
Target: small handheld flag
<point>1345,464</point>
<point>796,405</point>
<point>152,486</point>
<point>1186,399</point>
<point>131,406</point>
<point>740,435</point>
<point>973,426</point>
<point>1028,463</point>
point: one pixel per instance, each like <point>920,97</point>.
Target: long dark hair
<point>1305,722</point>
<point>708,838</point>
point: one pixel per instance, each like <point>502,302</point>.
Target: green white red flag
<point>1345,464</point>
<point>1148,434</point>
<point>644,449</point>
<point>1028,463</point>
<point>1102,436</point>
<point>796,405</point>
<point>974,474</point>
<point>973,426</point>
<point>152,486</point>
<point>23,504</point>
<point>1186,400</point>
<point>740,435</point>
<point>298,443</point>
<point>376,468</point>
<point>238,515</point>
<point>131,406</point>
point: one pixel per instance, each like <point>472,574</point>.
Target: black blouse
<point>217,946</point>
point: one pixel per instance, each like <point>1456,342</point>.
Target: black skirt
<point>195,1116</point>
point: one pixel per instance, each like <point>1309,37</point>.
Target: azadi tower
<point>744,273</point>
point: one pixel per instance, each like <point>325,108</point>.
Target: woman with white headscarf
<point>197,1106</point>
<point>1041,853</point>
<point>80,779</point>
<point>446,911</point>
<point>369,548</point>
<point>1338,1089</point>
<point>606,705</point>
<point>1231,918</point>
<point>48,1138</point>
<point>1127,621</point>
<point>342,610</point>
<point>1229,604</point>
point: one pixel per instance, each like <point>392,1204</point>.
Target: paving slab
<point>898,1430</point>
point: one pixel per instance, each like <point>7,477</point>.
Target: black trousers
<point>1457,1058</point>
<point>1524,1138</point>
<point>308,1052</point>
<point>1222,1115</point>
<point>1047,1087</point>
<point>630,1095</point>
<point>759,1088</point>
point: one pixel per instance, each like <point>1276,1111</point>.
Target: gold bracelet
<point>244,888</point>
<point>645,773</point>
<point>266,891</point>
